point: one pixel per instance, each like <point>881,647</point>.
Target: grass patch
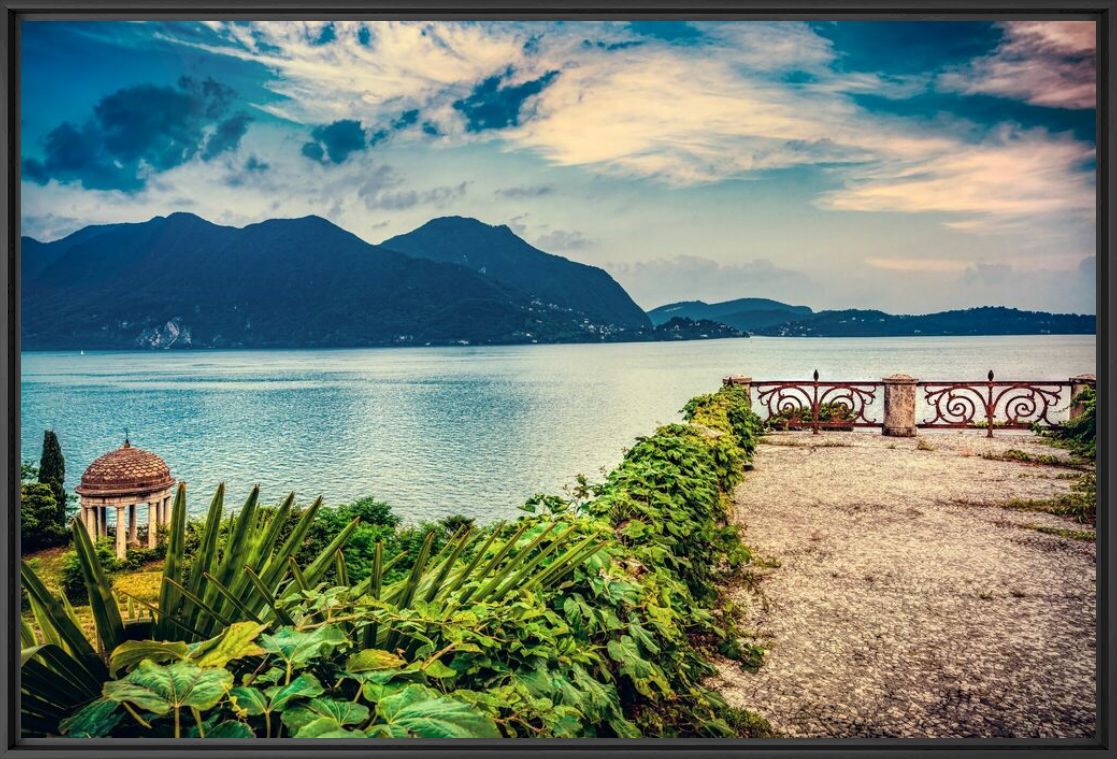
<point>1062,532</point>
<point>1041,459</point>
<point>1079,504</point>
<point>923,445</point>
<point>48,565</point>
<point>796,443</point>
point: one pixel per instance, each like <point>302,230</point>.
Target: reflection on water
<point>436,431</point>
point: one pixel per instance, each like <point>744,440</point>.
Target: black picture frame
<point>1102,11</point>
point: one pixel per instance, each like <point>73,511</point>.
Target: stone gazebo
<point>125,479</point>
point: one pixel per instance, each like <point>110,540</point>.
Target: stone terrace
<point>907,600</point>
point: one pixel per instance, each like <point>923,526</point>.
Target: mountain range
<point>761,316</point>
<point>180,281</point>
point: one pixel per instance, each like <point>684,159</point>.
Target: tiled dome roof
<point>125,471</point>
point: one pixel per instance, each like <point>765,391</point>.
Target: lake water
<point>436,431</point>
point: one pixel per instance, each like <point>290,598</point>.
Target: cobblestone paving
<point>906,604</point>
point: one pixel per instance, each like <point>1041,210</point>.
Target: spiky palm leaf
<point>235,576</point>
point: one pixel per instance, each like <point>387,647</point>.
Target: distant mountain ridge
<point>181,281</point>
<point>984,320</point>
<point>745,314</point>
<point>497,252</point>
<point>771,318</point>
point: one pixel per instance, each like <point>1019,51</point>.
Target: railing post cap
<point>736,379</point>
<point>900,379</point>
<point>1084,378</point>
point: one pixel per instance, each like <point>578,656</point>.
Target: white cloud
<point>1049,63</point>
<point>685,115</point>
<point>1011,178</point>
<point>563,239</point>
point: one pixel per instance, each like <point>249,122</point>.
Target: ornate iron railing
<point>817,405</point>
<point>993,403</point>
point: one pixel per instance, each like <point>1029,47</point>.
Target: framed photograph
<point>626,377</point>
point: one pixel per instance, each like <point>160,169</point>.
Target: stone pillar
<point>132,524</point>
<point>152,523</point>
<point>1077,386</point>
<point>167,510</point>
<point>121,533</point>
<point>98,521</point>
<point>899,406</point>
<point>739,380</point>
<point>87,522</point>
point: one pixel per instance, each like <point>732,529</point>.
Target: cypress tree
<point>52,472</point>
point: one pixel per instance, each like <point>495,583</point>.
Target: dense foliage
<point>1080,433</point>
<point>836,417</point>
<point>42,508</point>
<point>38,518</point>
<point>587,617</point>
<point>72,577</point>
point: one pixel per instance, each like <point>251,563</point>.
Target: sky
<point>907,166</point>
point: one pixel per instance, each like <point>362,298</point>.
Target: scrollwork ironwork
<point>817,405</point>
<point>990,404</point>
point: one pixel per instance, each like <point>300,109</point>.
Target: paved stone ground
<point>906,604</point>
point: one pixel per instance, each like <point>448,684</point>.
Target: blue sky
<point>909,166</point>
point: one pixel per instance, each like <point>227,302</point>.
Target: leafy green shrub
<point>72,579</point>
<point>38,515</point>
<point>1080,433</point>
<point>834,416</point>
<point>594,617</point>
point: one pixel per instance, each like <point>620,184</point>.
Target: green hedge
<point>620,646</point>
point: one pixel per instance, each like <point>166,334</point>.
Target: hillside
<point>988,320</point>
<point>181,281</point>
<point>745,314</point>
<point>497,252</point>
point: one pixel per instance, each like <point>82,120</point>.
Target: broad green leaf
<point>236,642</point>
<point>255,702</point>
<point>339,733</point>
<point>230,729</point>
<point>438,670</point>
<point>249,701</point>
<point>419,712</point>
<point>95,720</point>
<point>372,659</point>
<point>132,652</point>
<point>159,689</point>
<point>323,715</point>
<point>298,648</point>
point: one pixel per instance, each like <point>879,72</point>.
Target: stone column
<point>98,521</point>
<point>132,524</point>
<point>167,510</point>
<point>739,380</point>
<point>86,522</point>
<point>121,533</point>
<point>899,406</point>
<point>1077,386</point>
<point>152,523</point>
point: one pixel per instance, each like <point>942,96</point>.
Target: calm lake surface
<point>436,431</point>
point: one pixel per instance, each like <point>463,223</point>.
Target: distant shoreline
<point>517,345</point>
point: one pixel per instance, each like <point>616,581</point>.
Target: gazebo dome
<point>126,471</point>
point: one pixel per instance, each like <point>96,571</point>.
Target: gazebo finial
<point>127,442</point>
